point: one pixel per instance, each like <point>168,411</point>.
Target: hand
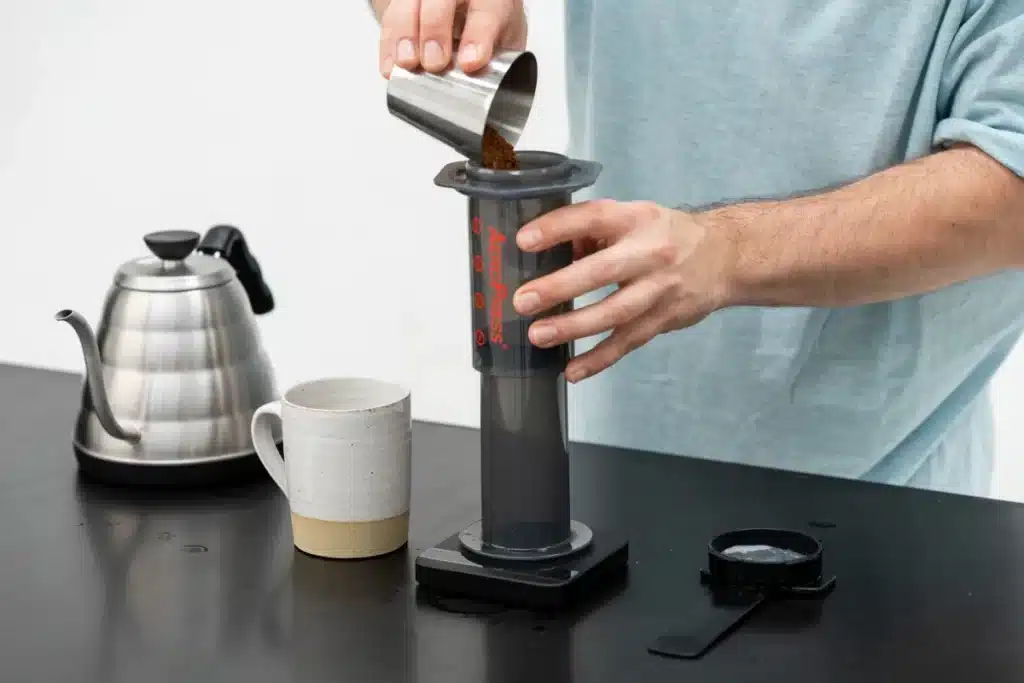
<point>418,33</point>
<point>671,268</point>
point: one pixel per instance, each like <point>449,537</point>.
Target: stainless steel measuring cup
<point>455,107</point>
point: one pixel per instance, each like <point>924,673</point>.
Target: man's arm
<point>948,217</point>
<point>943,219</point>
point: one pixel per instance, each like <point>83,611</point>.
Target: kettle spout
<point>94,373</point>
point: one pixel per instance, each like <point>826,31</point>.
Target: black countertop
<point>102,585</point>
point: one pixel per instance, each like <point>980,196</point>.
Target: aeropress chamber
<point>526,550</point>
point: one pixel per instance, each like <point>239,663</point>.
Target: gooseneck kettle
<point>176,367</point>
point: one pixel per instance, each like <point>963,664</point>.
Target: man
<point>808,253</point>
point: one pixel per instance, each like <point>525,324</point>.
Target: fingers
<point>485,22</point>
<point>622,341</point>
<point>399,36</point>
<point>586,246</point>
<point>595,219</point>
<point>419,33</point>
<point>619,263</point>
<point>614,311</point>
<point>580,248</point>
<point>437,19</point>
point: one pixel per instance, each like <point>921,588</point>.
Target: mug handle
<point>266,447</point>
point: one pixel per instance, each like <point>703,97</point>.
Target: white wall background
<point>120,117</point>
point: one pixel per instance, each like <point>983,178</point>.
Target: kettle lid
<point>173,265</point>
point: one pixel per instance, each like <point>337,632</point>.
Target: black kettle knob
<point>228,242</point>
<point>172,245</point>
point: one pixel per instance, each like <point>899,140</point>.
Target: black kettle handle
<point>228,242</point>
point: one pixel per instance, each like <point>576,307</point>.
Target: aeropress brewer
<point>526,550</point>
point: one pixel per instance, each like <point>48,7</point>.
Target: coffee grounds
<point>498,154</point>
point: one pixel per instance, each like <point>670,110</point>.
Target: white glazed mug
<point>347,470</point>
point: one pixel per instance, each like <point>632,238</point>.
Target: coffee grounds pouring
<point>498,154</point>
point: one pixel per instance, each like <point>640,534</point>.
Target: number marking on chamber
<point>498,290</point>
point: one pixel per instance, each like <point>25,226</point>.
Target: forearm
<point>946,218</point>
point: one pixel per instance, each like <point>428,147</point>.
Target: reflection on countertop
<point>204,573</point>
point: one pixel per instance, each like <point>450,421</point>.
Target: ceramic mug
<point>347,474</point>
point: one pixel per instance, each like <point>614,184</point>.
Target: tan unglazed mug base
<point>349,540</point>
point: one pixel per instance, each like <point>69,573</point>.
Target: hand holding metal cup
<point>455,107</point>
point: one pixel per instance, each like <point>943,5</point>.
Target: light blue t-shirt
<point>695,103</point>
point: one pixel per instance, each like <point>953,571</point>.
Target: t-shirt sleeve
<point>981,100</point>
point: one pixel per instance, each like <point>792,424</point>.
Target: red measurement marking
<point>478,263</point>
<point>481,338</point>
<point>476,226</point>
<point>499,292</point>
<point>478,299</point>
